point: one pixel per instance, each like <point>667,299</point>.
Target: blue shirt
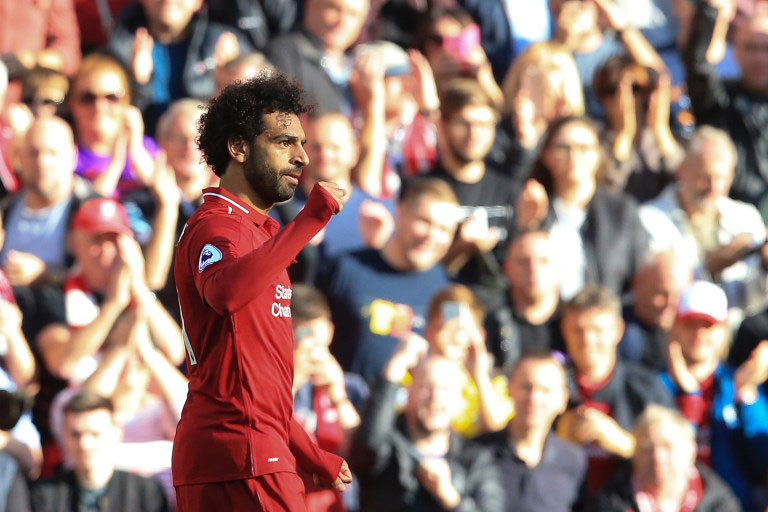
<point>372,303</point>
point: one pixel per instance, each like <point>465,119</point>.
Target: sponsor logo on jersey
<point>208,256</point>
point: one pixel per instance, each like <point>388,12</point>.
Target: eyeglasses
<point>34,101</point>
<point>90,98</point>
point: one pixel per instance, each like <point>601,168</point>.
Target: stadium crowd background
<point>556,223</point>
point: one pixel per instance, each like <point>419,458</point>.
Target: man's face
<point>179,144</point>
<point>700,339</point>
<point>331,147</point>
<point>48,160</point>
<point>657,291</point>
<point>663,455</point>
<point>470,133</point>
<point>538,390</point>
<point>591,337</point>
<point>435,396</point>
<point>751,49</point>
<point>276,158</point>
<point>530,266</point>
<point>425,227</point>
<point>95,254</point>
<point>337,23</point>
<point>90,439</point>
<point>99,102</point>
<point>171,14</point>
<point>706,176</point>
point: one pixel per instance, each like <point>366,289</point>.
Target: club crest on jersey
<point>208,256</point>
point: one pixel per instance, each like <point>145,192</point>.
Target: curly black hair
<point>239,110</point>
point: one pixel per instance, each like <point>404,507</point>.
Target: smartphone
<point>450,310</point>
<point>461,45</point>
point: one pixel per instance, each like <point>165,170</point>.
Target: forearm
<point>142,164</point>
<point>641,50</point>
<point>704,86</point>
<point>172,383</point>
<point>493,410</point>
<point>106,182</point>
<point>87,340</point>
<point>105,379</point>
<point>164,329</point>
<point>239,282</point>
<point>19,361</point>
<point>159,254</point>
<point>373,149</point>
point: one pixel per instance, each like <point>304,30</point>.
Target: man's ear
<point>238,149</point>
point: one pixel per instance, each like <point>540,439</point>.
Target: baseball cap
<point>703,300</point>
<point>102,215</point>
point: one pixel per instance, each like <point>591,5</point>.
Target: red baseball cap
<point>705,301</point>
<point>102,216</point>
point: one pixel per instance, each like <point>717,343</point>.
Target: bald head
<point>332,148</point>
<point>48,160</point>
<point>657,286</point>
<point>751,50</point>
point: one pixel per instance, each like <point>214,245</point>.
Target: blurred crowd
<point>547,291</point>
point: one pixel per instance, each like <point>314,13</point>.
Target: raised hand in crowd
<point>142,64</point>
<point>23,268</point>
<point>412,349</point>
<point>376,223</point>
<point>585,424</point>
<point>434,473</point>
<point>167,196</point>
<point>425,88</point>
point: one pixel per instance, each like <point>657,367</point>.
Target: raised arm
<point>234,282</point>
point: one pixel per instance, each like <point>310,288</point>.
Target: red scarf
<point>647,503</point>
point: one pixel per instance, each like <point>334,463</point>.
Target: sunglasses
<point>90,98</point>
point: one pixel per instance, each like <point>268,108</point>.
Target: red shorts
<point>274,492</point>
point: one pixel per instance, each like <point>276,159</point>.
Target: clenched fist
<point>338,193</point>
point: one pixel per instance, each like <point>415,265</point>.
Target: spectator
<point>113,151</point>
<point>397,94</point>
<point>454,331</point>
<point>598,230</point>
<point>242,68</point>
<point>638,137</point>
<point>414,462</point>
<point>90,438</point>
<point>656,287</point>
<point>725,405</point>
<point>737,107</point>
<point>96,19</point>
<point>468,126</point>
<point>172,52</point>
<point>44,90</point>
<point>35,33</point>
<point>148,394</point>
<point>540,470</point>
<point>326,400</point>
<point>375,295</point>
<point>14,493</point>
<point>579,27</point>
<point>663,475</point>
<point>530,313</point>
<point>160,211</point>
<point>110,279</point>
<point>260,20</point>
<point>606,394</point>
<point>714,234</point>
<point>36,219</point>
<point>315,55</point>
<point>751,332</point>
<point>364,222</point>
<point>541,85</point>
<point>19,438</point>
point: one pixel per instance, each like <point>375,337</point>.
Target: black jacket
<point>125,493</point>
<point>629,391</point>
<point>618,496</point>
<point>299,55</point>
<point>384,460</point>
<point>260,20</point>
<point>728,106</point>
<point>197,79</point>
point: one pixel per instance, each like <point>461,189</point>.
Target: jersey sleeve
<point>227,281</point>
<point>310,457</point>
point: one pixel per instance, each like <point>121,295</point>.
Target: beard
<point>267,181</point>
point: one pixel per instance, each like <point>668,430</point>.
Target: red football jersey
<point>235,298</point>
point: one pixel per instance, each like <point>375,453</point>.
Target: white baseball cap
<point>703,300</point>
